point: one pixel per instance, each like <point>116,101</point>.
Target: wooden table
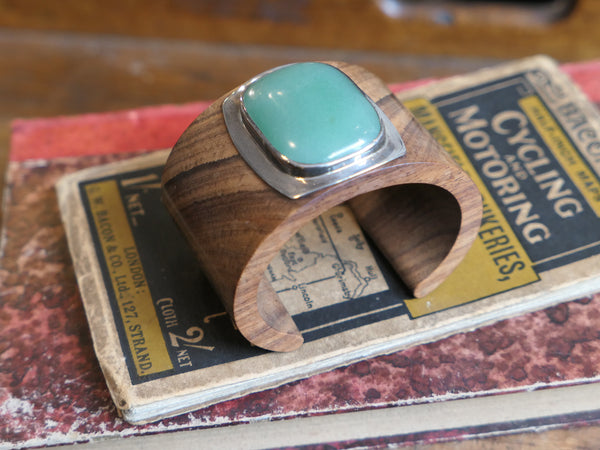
<point>60,67</point>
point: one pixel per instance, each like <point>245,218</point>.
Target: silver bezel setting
<point>294,179</point>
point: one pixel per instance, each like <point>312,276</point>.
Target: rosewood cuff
<point>287,146</point>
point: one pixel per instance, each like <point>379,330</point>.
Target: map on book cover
<point>524,134</point>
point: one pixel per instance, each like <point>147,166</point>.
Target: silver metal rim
<point>295,180</point>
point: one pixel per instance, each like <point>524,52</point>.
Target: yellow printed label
<point>497,261</point>
<point>128,279</point>
<point>567,156</point>
<point>432,120</point>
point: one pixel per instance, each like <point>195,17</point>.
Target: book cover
<point>165,343</point>
<point>452,368</point>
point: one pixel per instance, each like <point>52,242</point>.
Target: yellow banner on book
<point>143,332</point>
<point>497,261</point>
<point>562,149</point>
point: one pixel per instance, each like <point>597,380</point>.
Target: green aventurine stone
<point>312,113</point>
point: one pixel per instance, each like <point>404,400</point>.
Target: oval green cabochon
<point>311,113</point>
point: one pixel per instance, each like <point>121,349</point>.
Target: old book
<point>67,400</point>
<point>165,344</point>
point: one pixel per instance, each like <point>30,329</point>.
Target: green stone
<point>311,113</point>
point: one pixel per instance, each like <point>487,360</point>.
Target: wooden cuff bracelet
<point>421,210</point>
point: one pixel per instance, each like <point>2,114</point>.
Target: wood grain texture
<point>492,29</point>
<point>237,224</point>
<point>418,255</point>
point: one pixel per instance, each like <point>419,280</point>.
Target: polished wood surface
<point>475,28</point>
<point>237,224</point>
<point>73,57</point>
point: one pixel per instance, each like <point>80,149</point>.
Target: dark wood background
<point>75,56</point>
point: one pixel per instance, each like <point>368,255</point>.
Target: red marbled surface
<point>52,390</point>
